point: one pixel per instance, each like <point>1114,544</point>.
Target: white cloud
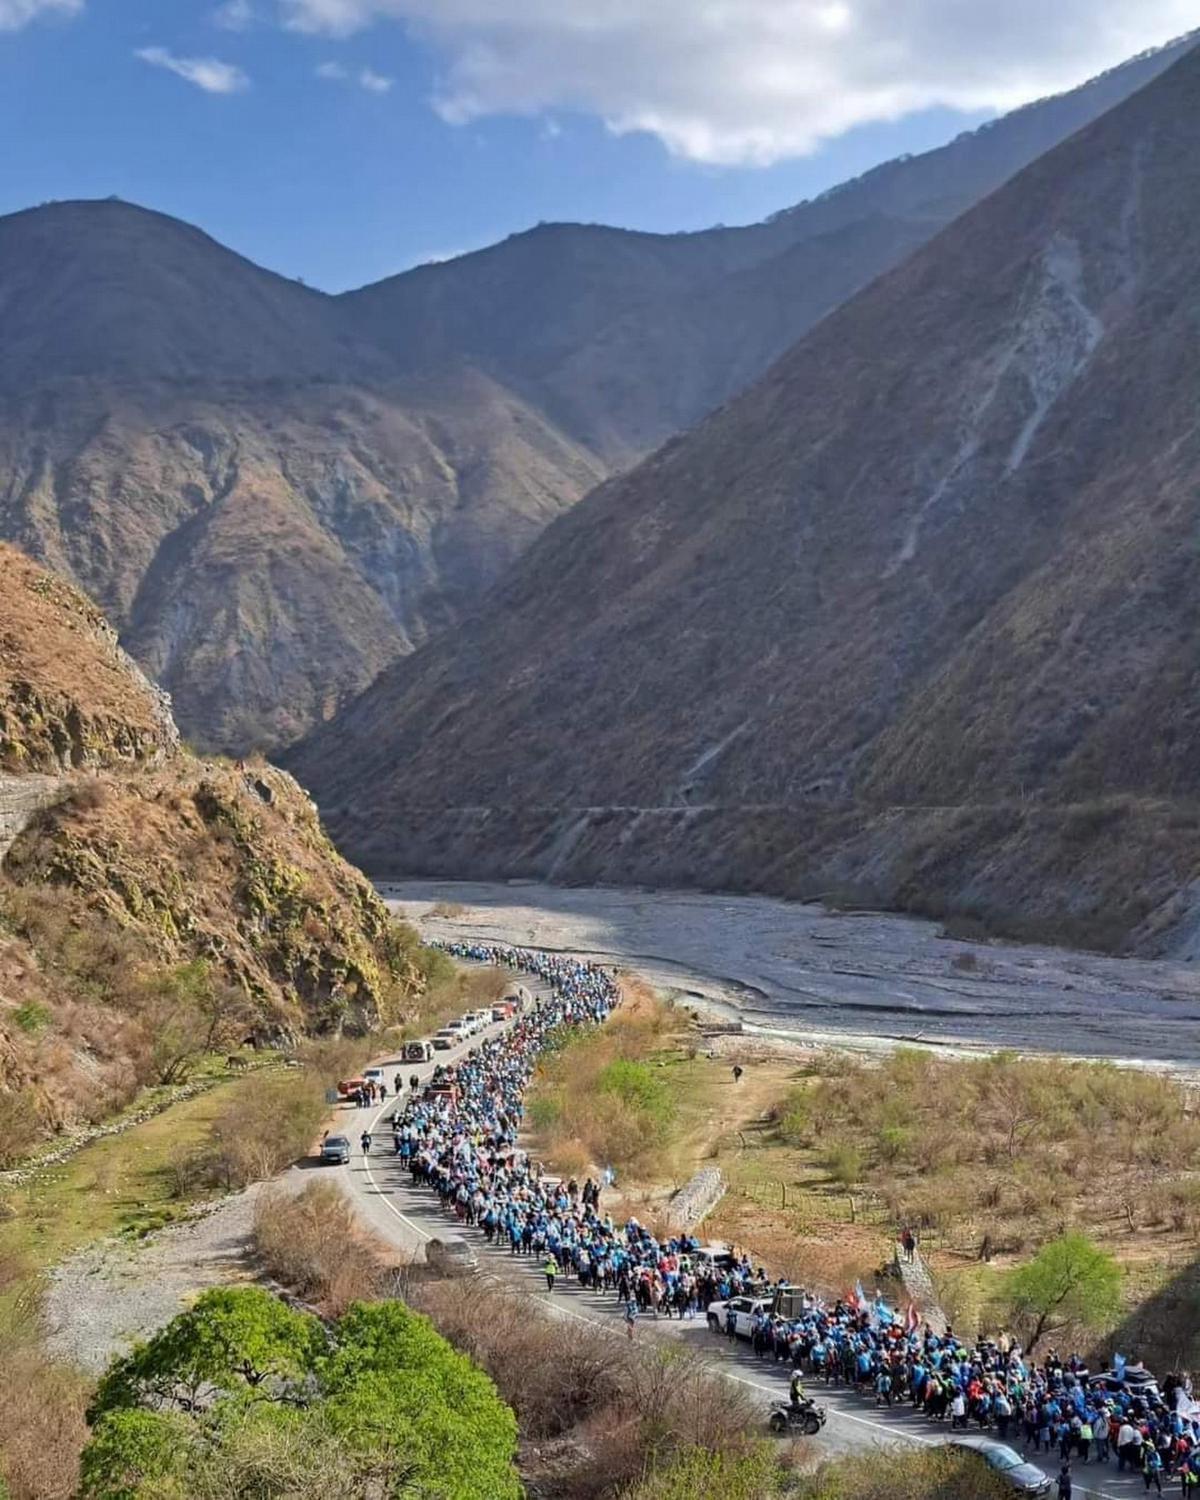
<point>235,15</point>
<point>736,81</point>
<point>374,83</point>
<point>207,73</point>
<point>17,13</point>
<point>365,78</point>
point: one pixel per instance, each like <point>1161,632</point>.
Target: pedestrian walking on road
<point>631,1316</point>
<point>551,1270</point>
<point>1064,1482</point>
<point>365,1141</point>
<point>737,1072</point>
<point>414,1082</point>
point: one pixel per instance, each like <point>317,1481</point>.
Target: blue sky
<point>439,128</point>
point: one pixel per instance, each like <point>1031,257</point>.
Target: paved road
<point>870,977</point>
<point>406,1217</point>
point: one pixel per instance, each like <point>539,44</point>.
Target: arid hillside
<point>153,904</point>
<point>941,557</point>
<point>274,493</point>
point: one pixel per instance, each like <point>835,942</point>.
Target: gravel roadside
<point>102,1299</point>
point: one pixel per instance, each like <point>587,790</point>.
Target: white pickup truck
<point>741,1310</point>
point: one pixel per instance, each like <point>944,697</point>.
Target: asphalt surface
<point>406,1217</point>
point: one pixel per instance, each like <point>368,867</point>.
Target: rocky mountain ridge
<point>934,568</point>
<point>274,494</point>
<point>140,884</point>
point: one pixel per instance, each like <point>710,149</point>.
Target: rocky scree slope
<point>267,508</point>
<point>274,494</point>
<point>140,876</point>
<point>882,620</point>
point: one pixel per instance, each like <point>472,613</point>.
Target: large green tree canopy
<point>241,1396</point>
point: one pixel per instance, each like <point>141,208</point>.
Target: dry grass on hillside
<point>1002,1152</point>
<point>601,1098</point>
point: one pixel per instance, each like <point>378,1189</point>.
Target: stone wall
<point>20,798</point>
<point>696,1199</point>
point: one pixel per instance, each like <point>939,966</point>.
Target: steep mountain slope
<point>943,554</point>
<point>266,509</point>
<point>624,339</point>
<point>139,884</point>
<point>265,550</point>
<point>273,493</point>
<point>111,290</point>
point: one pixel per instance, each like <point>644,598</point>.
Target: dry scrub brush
<point>44,1430</point>
<point>598,1097</point>
<point>627,1408</point>
<point>1021,1147</point>
<point>314,1244</point>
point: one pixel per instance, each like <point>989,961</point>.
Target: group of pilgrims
<point>459,1138</point>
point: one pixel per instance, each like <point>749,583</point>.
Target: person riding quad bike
<point>796,1390</point>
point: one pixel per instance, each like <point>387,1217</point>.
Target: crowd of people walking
<point>459,1138</point>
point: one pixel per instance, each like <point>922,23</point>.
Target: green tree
<point>233,1339</point>
<point>1069,1283</point>
<point>393,1383</point>
<point>240,1398</point>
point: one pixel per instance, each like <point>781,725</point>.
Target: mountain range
<point>274,494</point>
<point>915,616</point>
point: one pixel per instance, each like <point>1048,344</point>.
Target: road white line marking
<point>604,1323</point>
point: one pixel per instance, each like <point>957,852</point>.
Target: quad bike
<point>807,1418</point>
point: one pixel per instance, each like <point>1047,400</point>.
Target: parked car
<point>335,1151</point>
<point>518,996</point>
<point>451,1257</point>
<point>712,1258</point>
<point>418,1051</point>
<point>375,1076</point>
<point>1025,1478</point>
<point>347,1087</point>
<point>742,1310</point>
<point>444,1040</point>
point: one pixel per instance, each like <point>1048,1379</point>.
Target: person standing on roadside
<point>551,1270</point>
<point>1064,1482</point>
<point>631,1316</point>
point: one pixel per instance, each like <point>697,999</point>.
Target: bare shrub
<point>44,1404</point>
<point>313,1243</point>
<point>264,1129</point>
<point>630,1406</point>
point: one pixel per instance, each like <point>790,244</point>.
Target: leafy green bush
<point>241,1397</point>
<point>844,1163</point>
<point>636,1085</point>
<point>32,1017</point>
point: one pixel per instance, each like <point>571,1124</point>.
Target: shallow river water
<point>822,975</point>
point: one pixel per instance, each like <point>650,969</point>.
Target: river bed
<point>823,976</point>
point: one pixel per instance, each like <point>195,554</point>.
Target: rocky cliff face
<point>941,557</point>
<point>274,494</point>
<point>136,879</point>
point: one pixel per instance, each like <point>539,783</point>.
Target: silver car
<point>1016,1472</point>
